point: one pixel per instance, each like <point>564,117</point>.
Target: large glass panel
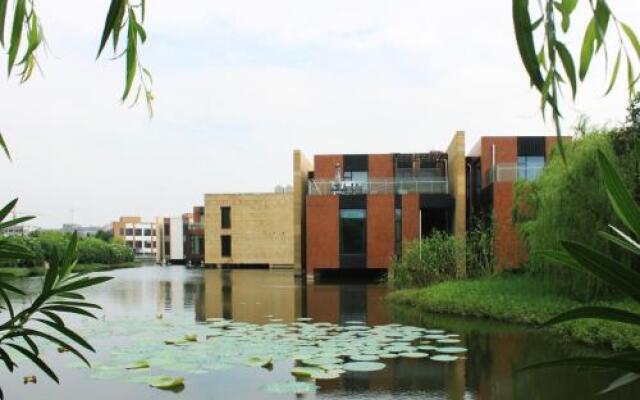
<point>353,232</point>
<point>529,167</point>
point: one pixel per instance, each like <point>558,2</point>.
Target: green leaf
<point>620,243</point>
<point>605,313</point>
<point>562,258</point>
<point>70,310</point>
<point>615,363</point>
<point>609,270</point>
<point>568,65</point>
<point>3,145</point>
<point>3,16</point>
<point>7,302</point>
<point>11,288</point>
<point>566,9</point>
<point>132,53</point>
<point>53,339</point>
<point>7,209</point>
<point>621,199</point>
<point>36,360</point>
<point>16,32</point>
<point>110,22</point>
<point>8,362</point>
<point>16,221</point>
<point>586,54</point>
<point>620,382</point>
<point>117,26</point>
<point>631,80</point>
<point>68,333</point>
<point>602,15</point>
<point>614,74</point>
<point>81,283</point>
<point>68,260</point>
<point>524,38</point>
<point>141,32</point>
<point>633,38</point>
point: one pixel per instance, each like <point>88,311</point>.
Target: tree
<point>549,63</point>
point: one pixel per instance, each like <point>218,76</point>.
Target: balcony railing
<point>435,185</point>
<point>510,172</point>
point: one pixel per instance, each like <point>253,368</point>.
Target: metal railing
<point>435,185</point>
<point>510,172</point>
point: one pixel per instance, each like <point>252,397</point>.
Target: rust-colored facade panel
<point>322,232</point>
<point>325,165</point>
<point>410,216</point>
<point>506,152</point>
<point>380,166</point>
<point>380,230</point>
<point>509,250</point>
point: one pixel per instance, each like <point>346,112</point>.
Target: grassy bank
<point>521,300</point>
<point>23,272</point>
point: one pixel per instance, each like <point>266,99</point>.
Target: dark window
<point>138,244</point>
<point>353,231</point>
<point>147,245</point>
<point>129,232</point>
<point>225,217</point>
<point>147,232</point>
<point>225,245</point>
<point>398,223</point>
<point>167,249</point>
<point>138,232</point>
<point>167,229</point>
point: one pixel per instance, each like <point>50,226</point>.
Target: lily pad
<point>389,355</point>
<point>264,362</point>
<point>167,382</point>
<point>444,357</point>
<point>141,364</point>
<point>325,375</point>
<point>364,357</point>
<point>451,350</point>
<point>363,366</point>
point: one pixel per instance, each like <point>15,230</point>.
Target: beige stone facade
<point>261,229</point>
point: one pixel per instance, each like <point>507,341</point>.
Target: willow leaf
<point>4,147</point>
<point>614,74</point>
<point>524,38</point>
<point>621,199</point>
<point>568,65</point>
<point>586,53</point>
<point>16,32</point>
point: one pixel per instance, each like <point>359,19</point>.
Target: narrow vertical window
<point>225,217</point>
<point>398,231</point>
<point>225,245</point>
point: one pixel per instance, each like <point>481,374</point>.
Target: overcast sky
<point>240,84</point>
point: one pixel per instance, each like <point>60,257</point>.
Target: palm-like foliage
<point>43,318</point>
<point>620,276</point>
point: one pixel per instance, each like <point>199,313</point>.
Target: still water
<point>141,295</point>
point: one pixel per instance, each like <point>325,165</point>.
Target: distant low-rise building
<point>81,230</point>
<point>140,236</point>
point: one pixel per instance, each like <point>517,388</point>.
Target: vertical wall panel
<point>322,232</point>
<point>380,230</point>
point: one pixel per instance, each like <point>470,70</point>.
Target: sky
<point>241,84</point>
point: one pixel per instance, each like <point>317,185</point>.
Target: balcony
<point>511,172</point>
<point>431,185</point>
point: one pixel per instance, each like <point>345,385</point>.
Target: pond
<point>281,323</point>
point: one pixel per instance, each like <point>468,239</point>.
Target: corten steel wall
<point>506,152</point>
<point>380,166</point>
<point>380,230</point>
<point>325,165</point>
<point>508,247</point>
<point>322,232</point>
<point>410,217</point>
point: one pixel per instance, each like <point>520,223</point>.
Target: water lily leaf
<point>167,382</point>
<point>360,366</point>
<point>304,372</point>
<point>325,375</point>
<point>389,355</point>
<point>140,364</point>
<point>364,357</point>
<point>451,350</point>
<point>427,348</point>
<point>444,357</point>
<point>448,341</point>
<point>322,361</point>
<point>191,338</point>
<point>264,362</point>
<point>291,387</point>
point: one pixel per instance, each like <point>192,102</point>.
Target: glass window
<point>225,217</point>
<point>353,231</point>
<point>356,176</point>
<point>398,232</point>
<point>529,167</point>
<point>147,232</point>
<point>225,245</point>
<point>138,232</point>
<point>129,232</point>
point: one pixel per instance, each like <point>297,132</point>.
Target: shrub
<point>428,261</point>
<point>569,202</point>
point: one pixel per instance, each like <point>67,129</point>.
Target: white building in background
<point>82,230</point>
<point>171,240</point>
<point>19,230</point>
<point>140,236</point>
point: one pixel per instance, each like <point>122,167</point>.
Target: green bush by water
<point>569,202</point>
<point>522,299</point>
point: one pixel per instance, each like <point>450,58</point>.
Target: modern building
<point>140,236</point>
<point>494,164</point>
<point>258,229</point>
<point>172,239</point>
<point>194,243</point>
<point>362,210</point>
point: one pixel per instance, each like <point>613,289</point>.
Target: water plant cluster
<point>162,353</point>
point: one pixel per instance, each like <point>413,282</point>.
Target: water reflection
<point>496,351</point>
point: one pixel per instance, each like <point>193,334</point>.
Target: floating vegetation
<point>158,352</point>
